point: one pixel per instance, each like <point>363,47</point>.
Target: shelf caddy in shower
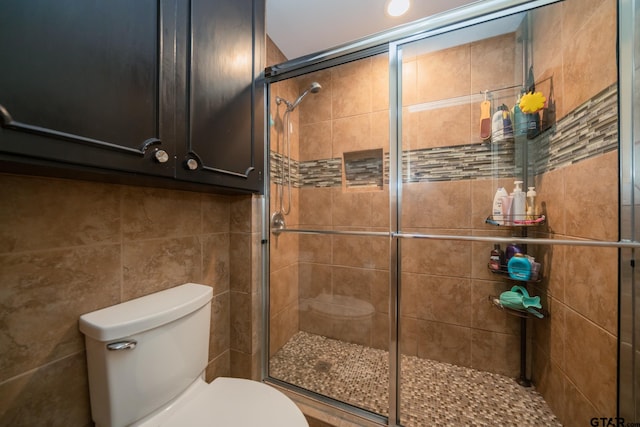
<point>495,301</point>
<point>524,222</point>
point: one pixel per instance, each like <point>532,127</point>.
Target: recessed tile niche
<point>363,170</point>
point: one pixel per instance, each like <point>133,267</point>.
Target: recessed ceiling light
<point>397,7</point>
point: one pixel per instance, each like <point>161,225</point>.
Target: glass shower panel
<point>454,344</point>
<point>329,304</point>
<point>342,196</point>
<point>636,207</point>
<point>629,387</point>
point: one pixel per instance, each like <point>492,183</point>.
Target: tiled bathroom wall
<point>343,280</point>
<point>441,317</point>
<point>70,247</point>
<point>283,251</point>
<point>574,351</point>
<point>445,284</point>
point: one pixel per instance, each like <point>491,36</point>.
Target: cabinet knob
<point>161,156</point>
<point>192,164</point>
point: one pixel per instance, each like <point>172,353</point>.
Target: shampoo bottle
<point>519,202</point>
<point>497,127</point>
<point>519,267</point>
<point>506,123</point>
<point>531,203</point>
<point>496,260</point>
<point>496,212</point>
<point>520,122</point>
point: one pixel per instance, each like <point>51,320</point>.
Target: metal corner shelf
<point>495,301</point>
<point>524,222</point>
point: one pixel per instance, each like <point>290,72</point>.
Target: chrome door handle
<point>122,345</point>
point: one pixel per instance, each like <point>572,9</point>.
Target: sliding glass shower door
<point>329,306</point>
<point>391,294</point>
<point>459,352</point>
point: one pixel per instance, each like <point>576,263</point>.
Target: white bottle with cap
<point>531,203</point>
<point>497,205</point>
<point>519,202</point>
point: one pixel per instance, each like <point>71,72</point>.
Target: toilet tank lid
<point>144,313</point>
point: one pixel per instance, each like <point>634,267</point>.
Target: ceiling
<point>301,27</point>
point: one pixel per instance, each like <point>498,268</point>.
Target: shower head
<point>313,88</point>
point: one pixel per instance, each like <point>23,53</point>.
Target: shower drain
<point>323,366</point>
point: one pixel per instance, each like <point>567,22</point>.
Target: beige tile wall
<point>71,247</point>
<point>344,280</point>
<point>574,352</point>
<point>283,249</point>
<point>471,69</point>
<point>582,293</point>
<point>357,118</point>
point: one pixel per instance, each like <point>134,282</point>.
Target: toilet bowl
<point>228,402</point>
<point>146,360</point>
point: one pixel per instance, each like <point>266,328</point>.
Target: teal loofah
<point>510,299</point>
<point>527,301</point>
<point>518,299</point>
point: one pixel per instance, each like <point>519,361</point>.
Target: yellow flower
<point>532,102</point>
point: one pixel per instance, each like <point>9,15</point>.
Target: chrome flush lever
<point>122,345</point>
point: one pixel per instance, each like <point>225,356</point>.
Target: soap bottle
<point>496,212</point>
<point>535,268</point>
<point>501,127</point>
<point>512,249</point>
<point>533,124</point>
<point>519,267</point>
<point>520,122</point>
<point>497,127</point>
<point>519,202</point>
<point>496,260</point>
<point>531,203</point>
<point>506,123</point>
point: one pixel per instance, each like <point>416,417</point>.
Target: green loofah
<point>518,299</point>
<point>512,300</point>
<point>527,301</point>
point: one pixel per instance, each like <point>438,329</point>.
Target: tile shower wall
<point>283,251</point>
<point>71,247</point>
<point>433,280</point>
<point>581,201</point>
<point>343,280</point>
<point>448,187</point>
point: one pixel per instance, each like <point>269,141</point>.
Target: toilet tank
<point>143,353</point>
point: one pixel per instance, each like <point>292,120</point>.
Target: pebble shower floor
<point>433,393</point>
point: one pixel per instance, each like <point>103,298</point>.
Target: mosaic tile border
<point>321,173</point>
<point>588,131</point>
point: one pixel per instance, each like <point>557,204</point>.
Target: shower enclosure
<point>380,300</point>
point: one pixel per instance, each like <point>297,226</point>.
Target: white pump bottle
<point>519,202</point>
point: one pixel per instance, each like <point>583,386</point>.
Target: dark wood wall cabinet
<point>162,92</point>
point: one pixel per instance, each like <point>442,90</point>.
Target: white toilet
<point>146,359</point>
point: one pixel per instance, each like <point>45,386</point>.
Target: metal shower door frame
<point>391,42</point>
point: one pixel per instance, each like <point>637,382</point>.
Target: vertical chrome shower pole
<point>395,187</point>
<point>629,133</point>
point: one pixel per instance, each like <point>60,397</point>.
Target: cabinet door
<point>84,83</point>
<point>223,134</point>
